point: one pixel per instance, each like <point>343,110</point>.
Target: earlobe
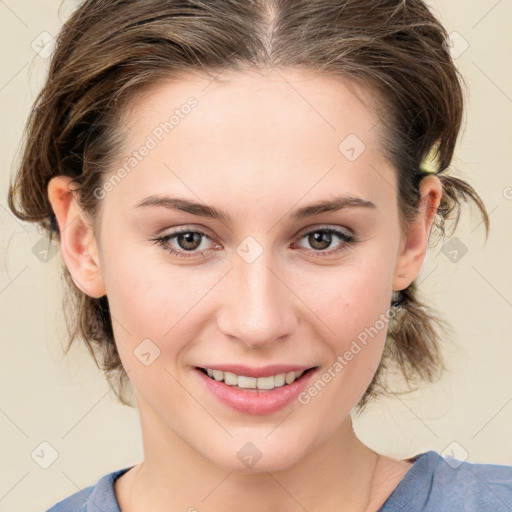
<point>415,244</point>
<point>77,241</point>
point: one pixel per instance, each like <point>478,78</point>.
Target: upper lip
<point>264,371</point>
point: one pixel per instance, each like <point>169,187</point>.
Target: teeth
<point>247,382</point>
<point>279,380</point>
<point>266,382</point>
<point>290,377</point>
<point>230,379</point>
<point>271,382</point>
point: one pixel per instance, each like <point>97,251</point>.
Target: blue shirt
<point>433,484</point>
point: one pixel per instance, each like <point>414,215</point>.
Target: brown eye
<point>321,239</point>
<point>189,241</point>
<point>186,243</point>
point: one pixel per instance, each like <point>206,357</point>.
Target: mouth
<point>245,382</point>
<point>256,391</point>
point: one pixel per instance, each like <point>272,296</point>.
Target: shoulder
<point>437,483</point>
<point>95,498</point>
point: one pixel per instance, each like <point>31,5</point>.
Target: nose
<point>258,305</point>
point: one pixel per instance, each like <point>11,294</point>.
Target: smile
<point>266,391</point>
<point>245,382</point>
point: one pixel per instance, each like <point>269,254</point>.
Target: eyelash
<point>346,238</point>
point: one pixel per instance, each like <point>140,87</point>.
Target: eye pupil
<point>189,240</point>
<point>320,238</point>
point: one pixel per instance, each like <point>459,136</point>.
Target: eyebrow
<point>202,210</point>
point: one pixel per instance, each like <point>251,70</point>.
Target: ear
<point>415,243</point>
<point>77,242</point>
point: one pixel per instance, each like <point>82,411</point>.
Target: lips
<point>256,400</point>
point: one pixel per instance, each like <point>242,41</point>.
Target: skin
<point>258,146</point>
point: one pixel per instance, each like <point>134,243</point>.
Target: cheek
<point>147,294</point>
<point>354,302</point>
<point>354,310</point>
<point>350,298</point>
<point>151,322</point>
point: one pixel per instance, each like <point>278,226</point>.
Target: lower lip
<point>256,401</point>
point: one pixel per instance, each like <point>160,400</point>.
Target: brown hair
<point>109,50</point>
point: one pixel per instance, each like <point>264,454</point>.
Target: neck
<point>337,476</point>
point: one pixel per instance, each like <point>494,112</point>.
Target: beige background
<point>65,401</point>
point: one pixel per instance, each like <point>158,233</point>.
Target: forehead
<point>297,102</point>
<point>286,129</point>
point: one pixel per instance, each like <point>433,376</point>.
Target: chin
<point>257,456</point>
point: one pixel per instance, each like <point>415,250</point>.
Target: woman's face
<point>261,287</point>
